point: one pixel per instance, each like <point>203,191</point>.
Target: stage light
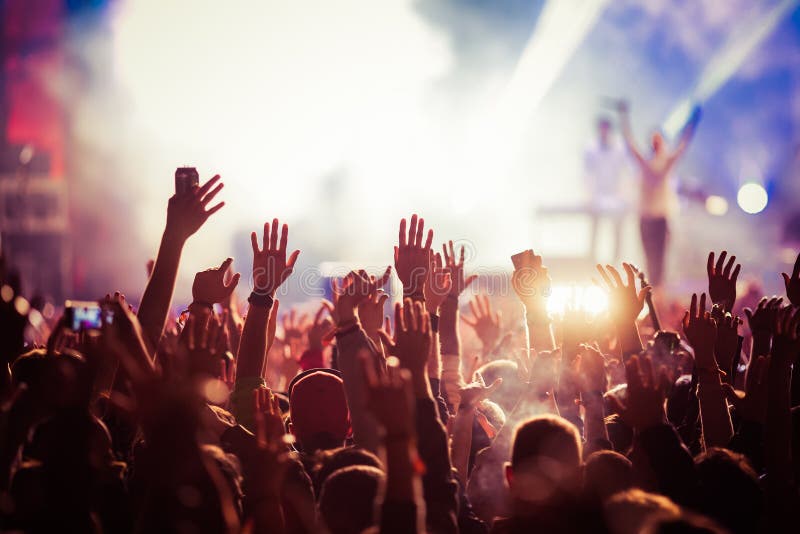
<point>716,205</point>
<point>589,298</point>
<point>727,61</point>
<point>752,198</point>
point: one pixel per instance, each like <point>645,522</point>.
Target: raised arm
<point>531,282</point>
<point>627,133</point>
<point>449,333</point>
<point>624,306</point>
<point>271,268</point>
<point>701,330</point>
<point>186,213</point>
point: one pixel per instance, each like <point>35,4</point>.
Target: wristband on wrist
<point>260,299</point>
<point>434,323</point>
<point>347,328</point>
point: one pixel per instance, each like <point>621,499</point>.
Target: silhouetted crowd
<point>360,416</point>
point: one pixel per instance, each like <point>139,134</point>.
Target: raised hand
<point>390,398</point>
<point>209,286</point>
<point>295,329</point>
<point>485,323</point>
<point>271,456</point>
<point>532,285</point>
<point>727,343</point>
<point>762,319</point>
<point>644,405</point>
<point>792,283</point>
<point>473,394</point>
<point>722,280</point>
<point>412,257</point>
<point>187,211</point>
<point>751,404</point>
<point>458,281</point>
<point>701,331</point>
<point>370,311</point>
<point>412,337</point>
<point>625,303</point>
<point>437,285</point>
<point>354,288</point>
<point>267,415</point>
<point>786,340</point>
<point>270,265</point>
<point>320,329</point>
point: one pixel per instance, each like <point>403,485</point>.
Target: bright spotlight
<point>752,198</point>
<point>716,205</point>
<point>591,299</point>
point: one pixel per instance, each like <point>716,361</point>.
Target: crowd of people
<point>238,418</point>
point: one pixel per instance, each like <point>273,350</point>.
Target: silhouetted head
<point>347,500</point>
<point>320,417</point>
<point>657,142</point>
<point>629,511</point>
<point>334,460</point>
<point>729,491</point>
<point>545,459</point>
<point>686,523</point>
<point>606,473</point>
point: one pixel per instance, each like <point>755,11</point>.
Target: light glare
<point>752,198</point>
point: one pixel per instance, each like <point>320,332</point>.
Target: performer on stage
<point>605,163</point>
<point>658,198</point>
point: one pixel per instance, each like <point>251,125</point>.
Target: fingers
<point>727,272</point>
<point>399,320</point>
<point>202,190</point>
<point>604,276</point>
<point>693,308</point>
<point>720,262</point>
<point>615,274</point>
<point>796,270</point>
<point>474,309</point>
<point>265,239</point>
<point>429,240</point>
<point>631,276</point>
<point>291,261</point>
<point>225,264</point>
<point>232,283</point>
<point>254,243</point>
<point>204,201</point>
<point>702,306</point>
<point>387,340</point>
<point>420,230</point>
<point>273,236</point>
<point>284,236</point>
<point>385,278</point>
<point>402,237</point>
<point>487,392</point>
<point>214,209</point>
<point>710,264</point>
<point>735,273</point>
<point>412,231</point>
<point>469,280</point>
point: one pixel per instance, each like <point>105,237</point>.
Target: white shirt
<point>604,172</point>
